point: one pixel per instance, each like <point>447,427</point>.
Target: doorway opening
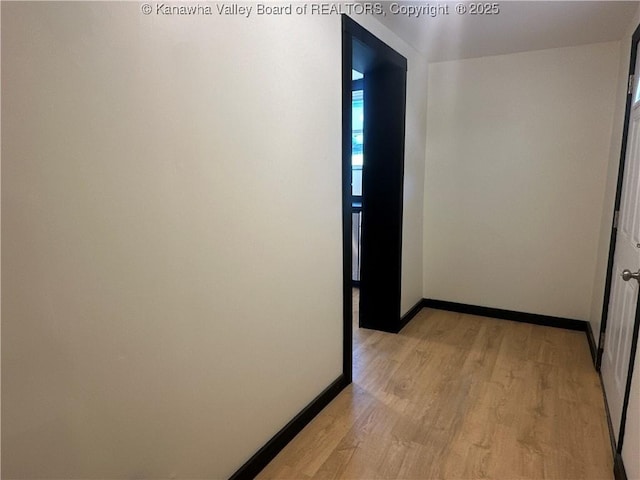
<point>372,180</point>
<point>357,166</point>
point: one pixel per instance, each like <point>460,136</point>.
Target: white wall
<point>171,222</point>
<point>415,141</point>
<point>517,149</point>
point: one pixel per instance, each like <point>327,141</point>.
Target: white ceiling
<point>520,26</point>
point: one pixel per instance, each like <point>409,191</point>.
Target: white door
<point>624,291</point>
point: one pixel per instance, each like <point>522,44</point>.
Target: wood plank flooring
<point>457,396</point>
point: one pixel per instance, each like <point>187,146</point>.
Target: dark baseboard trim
<point>407,317</point>
<point>619,473</point>
<point>268,452</point>
<point>546,320</point>
<point>592,344</point>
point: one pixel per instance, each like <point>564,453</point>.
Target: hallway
<point>457,396</point>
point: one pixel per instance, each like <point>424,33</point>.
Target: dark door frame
<point>612,246</point>
<point>347,302</point>
<point>384,81</point>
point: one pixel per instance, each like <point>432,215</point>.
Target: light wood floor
<point>459,397</point>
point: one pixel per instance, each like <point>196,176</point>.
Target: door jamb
<point>369,55</point>
<point>347,303</point>
<point>616,208</point>
<point>612,245</point>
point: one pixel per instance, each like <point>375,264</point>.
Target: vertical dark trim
<point>592,343</point>
<point>402,134</point>
<point>347,306</point>
<point>612,237</point>
<point>607,411</point>
<point>382,186</point>
<point>607,286</point>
